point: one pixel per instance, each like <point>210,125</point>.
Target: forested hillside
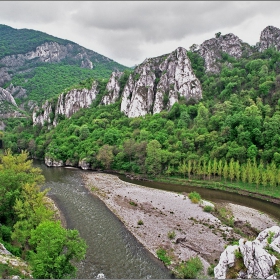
<point>232,133</point>
<point>35,66</point>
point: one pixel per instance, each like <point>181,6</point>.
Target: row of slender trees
<point>252,173</point>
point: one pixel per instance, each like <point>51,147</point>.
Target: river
<point>112,249</point>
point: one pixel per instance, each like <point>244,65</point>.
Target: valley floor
<point>163,212</point>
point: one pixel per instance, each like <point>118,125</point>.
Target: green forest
<point>231,135</point>
<point>29,226</point>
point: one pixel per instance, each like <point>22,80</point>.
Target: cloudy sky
<point>129,32</point>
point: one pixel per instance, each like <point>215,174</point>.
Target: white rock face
<point>169,74</point>
<point>67,105</point>
<point>48,52</point>
<point>178,79</point>
<point>113,88</point>
<point>256,259</point>
<point>44,116</point>
<point>75,100</point>
<point>270,37</point>
<point>126,95</point>
<point>5,95</point>
<point>258,262</point>
<point>55,163</point>
<point>83,164</point>
<point>211,50</point>
<point>227,260</point>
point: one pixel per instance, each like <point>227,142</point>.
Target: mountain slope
<point>42,66</point>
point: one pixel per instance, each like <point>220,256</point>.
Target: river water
<point>112,249</point>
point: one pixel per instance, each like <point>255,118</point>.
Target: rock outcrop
<point>158,83</point>
<point>270,37</point>
<point>255,261</point>
<point>113,89</point>
<point>5,95</point>
<point>16,263</point>
<point>211,50</point>
<point>50,162</point>
<point>67,105</point>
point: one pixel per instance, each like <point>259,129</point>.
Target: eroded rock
<point>258,262</point>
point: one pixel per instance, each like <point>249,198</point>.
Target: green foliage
<point>27,226</point>
<point>162,255</point>
<point>208,208</point>
<point>132,203</point>
<point>140,222</point>
<point>15,171</point>
<point>6,271</point>
<point>189,269</point>
<point>270,236</point>
<point>171,234</point>
<point>194,197</point>
<point>54,247</point>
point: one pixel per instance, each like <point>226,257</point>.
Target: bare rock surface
<point>270,37</point>
<point>7,258</point>
<point>256,261</point>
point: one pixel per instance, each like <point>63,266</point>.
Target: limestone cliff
<point>211,50</point>
<point>113,89</point>
<point>158,83</point>
<point>5,95</point>
<point>270,37</point>
<point>67,105</point>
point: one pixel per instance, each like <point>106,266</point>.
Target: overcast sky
<point>129,32</point>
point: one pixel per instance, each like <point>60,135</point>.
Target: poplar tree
<point>237,170</point>
<point>204,169</point>
<point>209,170</point>
<point>220,169</point>
<point>249,171</point>
<point>225,171</point>
<point>231,170</point>
<point>243,174</point>
<point>189,168</point>
<point>215,167</point>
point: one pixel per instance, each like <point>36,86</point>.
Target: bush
<point>210,270</point>
<point>140,222</point>
<point>171,234</point>
<point>208,208</point>
<point>161,253</point>
<point>133,203</point>
<point>194,197</point>
<point>190,268</point>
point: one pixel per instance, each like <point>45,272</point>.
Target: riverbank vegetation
<point>228,139</point>
<point>28,228</point>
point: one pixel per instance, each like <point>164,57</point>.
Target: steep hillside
<point>167,116</point>
<point>41,66</point>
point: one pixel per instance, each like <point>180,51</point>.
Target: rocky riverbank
<point>154,216</point>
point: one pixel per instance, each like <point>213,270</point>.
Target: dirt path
<point>163,212</point>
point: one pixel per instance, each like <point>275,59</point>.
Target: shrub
<point>171,234</point>
<point>133,203</point>
<point>270,236</point>
<point>140,222</point>
<point>210,270</point>
<point>162,255</point>
<point>194,197</point>
<point>190,268</point>
<point>208,208</point>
